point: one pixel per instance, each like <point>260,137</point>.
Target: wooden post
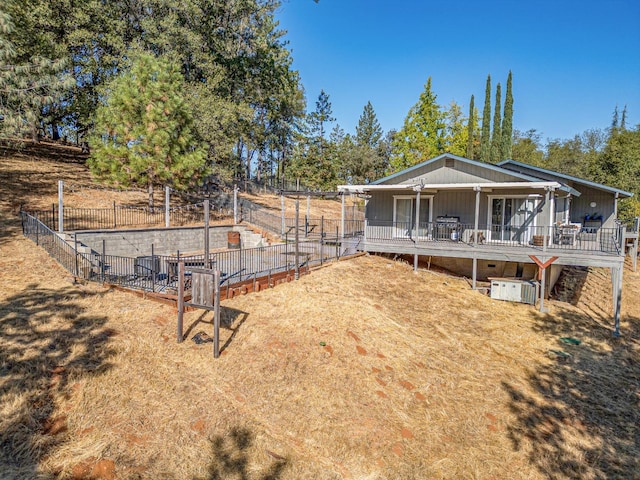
<point>475,228</point>
<point>342,219</point>
<point>474,274</point>
<point>297,239</point>
<point>417,227</point>
<point>543,286</point>
<point>216,314</point>
<point>616,281</point>
<point>60,206</point>
<point>206,234</point>
<point>180,299</point>
<point>167,213</point>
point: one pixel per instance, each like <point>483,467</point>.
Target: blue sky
<point>572,61</point>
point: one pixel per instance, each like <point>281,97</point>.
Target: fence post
<point>342,218</point>
<point>167,213</point>
<point>75,249</point>
<point>104,259</point>
<point>60,206</point>
<point>235,204</point>
<point>216,314</point>
<point>321,240</point>
<point>206,234</point>
<point>115,223</point>
<point>297,239</point>
<point>180,298</point>
<point>153,269</point>
<point>282,213</point>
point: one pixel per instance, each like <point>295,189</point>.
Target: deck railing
<point>600,240</point>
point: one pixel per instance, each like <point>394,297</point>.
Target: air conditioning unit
<point>514,290</point>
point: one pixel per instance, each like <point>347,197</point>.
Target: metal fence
<point>308,227</point>
<point>159,273</point>
<point>122,216</point>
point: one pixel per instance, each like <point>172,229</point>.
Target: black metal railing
<point>122,216</point>
<point>565,237</point>
<point>159,273</point>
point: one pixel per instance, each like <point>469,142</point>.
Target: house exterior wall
<point>456,203</point>
<point>605,206</point>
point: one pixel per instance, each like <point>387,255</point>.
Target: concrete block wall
<point>166,241</point>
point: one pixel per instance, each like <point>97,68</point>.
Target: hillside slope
<point>363,369</point>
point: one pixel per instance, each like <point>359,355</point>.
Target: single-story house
<point>487,221</point>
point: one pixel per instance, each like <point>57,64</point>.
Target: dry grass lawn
<point>361,370</point>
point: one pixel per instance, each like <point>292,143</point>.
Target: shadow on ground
<point>231,319</point>
<point>46,339</point>
<point>231,459</point>
<point>584,419</point>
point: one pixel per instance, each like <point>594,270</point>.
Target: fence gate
<point>205,294</point>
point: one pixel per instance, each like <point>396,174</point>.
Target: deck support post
<point>474,274</point>
<point>616,283</point>
<point>417,225</point>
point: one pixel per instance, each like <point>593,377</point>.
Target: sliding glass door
<point>512,218</point>
<point>404,216</point>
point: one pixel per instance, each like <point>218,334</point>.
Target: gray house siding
<point>448,170</point>
<point>605,206</point>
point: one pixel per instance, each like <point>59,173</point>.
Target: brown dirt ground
<point>361,370</point>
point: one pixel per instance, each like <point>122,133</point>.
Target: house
<point>485,221</point>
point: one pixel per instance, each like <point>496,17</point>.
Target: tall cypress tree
<point>507,121</point>
<point>470,128</point>
<point>496,138</point>
<point>485,139</point>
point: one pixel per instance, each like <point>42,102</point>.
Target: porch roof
<point>483,186</point>
<point>511,164</point>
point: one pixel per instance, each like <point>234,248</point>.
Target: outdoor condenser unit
<point>514,290</point>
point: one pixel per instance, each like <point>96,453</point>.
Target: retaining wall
<point>165,241</point>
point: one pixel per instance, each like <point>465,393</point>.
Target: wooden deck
<point>586,253</point>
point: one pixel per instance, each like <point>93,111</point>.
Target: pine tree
<point>26,89</point>
<point>623,120</point>
<point>470,129</point>
<point>496,138</point>
<point>485,138</point>
<point>143,134</point>
<point>507,121</point>
<point>422,134</point>
<point>368,130</point>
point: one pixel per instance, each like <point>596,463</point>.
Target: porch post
<point>415,255</point>
<point>366,204</point>
<point>615,206</point>
<point>167,211</point>
<point>475,229</point>
<point>547,235</point>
